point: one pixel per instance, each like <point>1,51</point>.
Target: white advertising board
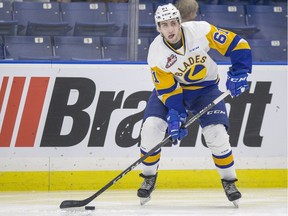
<point>88,116</point>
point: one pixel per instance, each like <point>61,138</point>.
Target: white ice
<point>202,202</point>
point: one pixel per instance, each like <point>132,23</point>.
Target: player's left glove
<point>175,122</point>
<point>237,82</point>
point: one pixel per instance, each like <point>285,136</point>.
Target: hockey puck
<point>89,207</point>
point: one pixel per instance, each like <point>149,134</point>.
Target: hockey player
<point>186,80</point>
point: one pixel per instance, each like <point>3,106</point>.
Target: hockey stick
<point>80,203</point>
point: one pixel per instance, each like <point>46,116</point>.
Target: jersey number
<point>220,36</point>
<point>155,77</point>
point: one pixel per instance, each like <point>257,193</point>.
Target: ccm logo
<point>238,79</point>
<point>211,112</point>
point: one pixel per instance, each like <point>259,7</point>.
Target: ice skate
<point>144,192</point>
<point>231,191</point>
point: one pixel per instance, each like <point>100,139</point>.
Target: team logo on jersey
<point>171,60</point>
<point>195,73</point>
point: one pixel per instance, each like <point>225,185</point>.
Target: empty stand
<point>268,50</point>
<point>118,13</point>
<point>98,31</point>
<point>94,29</point>
<point>162,2</point>
<point>28,47</point>
<point>115,48</point>
<point>8,27</point>
<point>36,11</point>
<point>88,19</point>
<point>147,27</point>
<point>223,15</point>
<point>1,48</point>
<point>146,14</point>
<point>143,47</point>
<point>40,16</point>
<point>5,11</point>
<point>78,48</point>
<point>271,20</point>
<point>230,17</point>
<point>84,12</point>
<point>47,29</point>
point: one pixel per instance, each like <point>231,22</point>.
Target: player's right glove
<point>237,82</point>
<point>175,122</point>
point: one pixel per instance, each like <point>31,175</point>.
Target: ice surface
<point>202,202</point>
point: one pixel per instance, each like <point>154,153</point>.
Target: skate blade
<point>143,201</point>
<point>236,203</point>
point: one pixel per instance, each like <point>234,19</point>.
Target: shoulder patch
<point>171,60</point>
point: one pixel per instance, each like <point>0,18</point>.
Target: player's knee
<point>217,138</point>
<point>153,132</point>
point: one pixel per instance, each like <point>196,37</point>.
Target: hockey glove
<point>237,82</point>
<point>175,123</point>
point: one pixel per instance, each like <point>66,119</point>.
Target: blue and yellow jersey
<point>190,67</point>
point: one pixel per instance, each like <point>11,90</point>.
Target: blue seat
<point>268,50</point>
<point>118,14</point>
<point>162,2</point>
<point>78,48</point>
<point>36,14</point>
<point>28,48</point>
<point>146,14</point>
<point>271,20</point>
<point>48,29</point>
<point>88,19</point>
<point>224,15</point>
<point>260,2</point>
<point>230,17</point>
<point>1,48</point>
<point>143,47</point>
<point>83,12</point>
<point>115,48</point>
<point>147,27</point>
<point>8,27</point>
<point>36,11</point>
<point>5,11</point>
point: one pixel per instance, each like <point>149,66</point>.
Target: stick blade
<point>72,204</point>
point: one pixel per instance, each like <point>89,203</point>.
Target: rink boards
<point>76,126</point>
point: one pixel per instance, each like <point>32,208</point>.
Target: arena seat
<point>230,17</point>
<point>8,27</point>
<point>223,15</point>
<point>47,29</point>
<point>143,47</point>
<point>5,11</point>
<point>268,50</point>
<point>1,49</point>
<point>35,14</point>
<point>147,27</point>
<point>28,48</point>
<point>158,1</point>
<point>271,20</point>
<point>115,48</point>
<point>88,19</point>
<point>118,13</point>
<point>78,48</point>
